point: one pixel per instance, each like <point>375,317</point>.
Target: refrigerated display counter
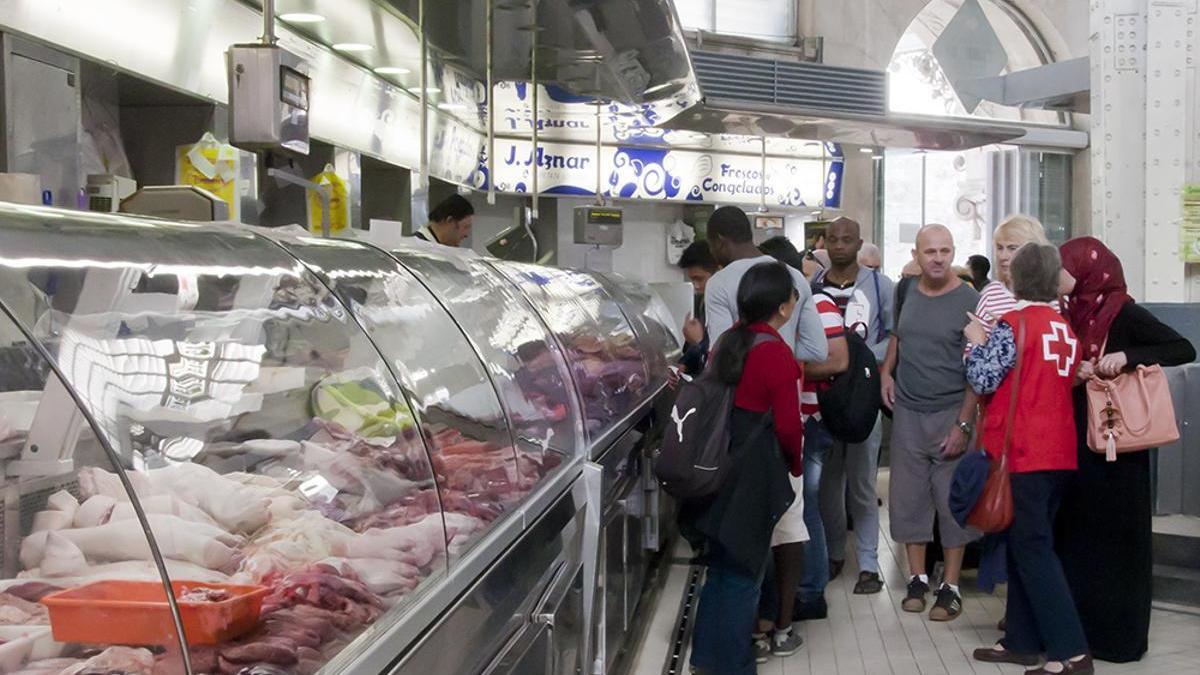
<point>233,450</point>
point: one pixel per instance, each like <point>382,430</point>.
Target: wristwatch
<point>966,428</point>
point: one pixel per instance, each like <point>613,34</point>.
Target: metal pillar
<point>1143,106</point>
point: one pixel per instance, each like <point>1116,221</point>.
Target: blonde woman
<point>997,299</point>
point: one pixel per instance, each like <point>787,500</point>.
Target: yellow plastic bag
<point>213,166</point>
<point>339,202</point>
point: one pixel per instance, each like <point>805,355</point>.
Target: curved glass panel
<point>651,319</point>
<point>603,350</point>
<point>260,427</point>
<point>524,361</point>
<point>59,534</point>
<point>477,472</point>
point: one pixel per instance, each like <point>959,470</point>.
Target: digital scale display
<point>293,88</point>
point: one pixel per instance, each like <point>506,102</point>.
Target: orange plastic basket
<point>137,613</point>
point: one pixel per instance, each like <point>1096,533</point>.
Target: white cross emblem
<point>1059,348</point>
<point>679,421</point>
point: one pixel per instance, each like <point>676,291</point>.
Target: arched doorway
<point>968,191</point>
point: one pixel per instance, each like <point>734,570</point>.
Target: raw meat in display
<point>48,667</point>
<point>236,507</point>
<point>129,570</point>
<point>32,591</point>
<point>63,501</point>
<point>202,594</point>
<point>51,520</point>
<point>415,544</point>
<point>405,511</point>
<point>350,603</point>
<point>207,546</point>
<point>460,531</point>
<point>291,545</point>
<point>273,650</point>
<point>164,505</point>
<point>96,481</point>
<point>95,510</point>
<point>402,455</point>
<point>386,578</point>
<point>123,660</point>
<point>61,557</point>
<point>358,474</point>
<point>15,611</point>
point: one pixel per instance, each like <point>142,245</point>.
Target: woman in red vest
<point>1041,457</point>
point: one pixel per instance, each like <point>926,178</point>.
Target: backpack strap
<point>902,288</point>
<point>883,333</point>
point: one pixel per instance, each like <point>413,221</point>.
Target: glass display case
<point>651,320</point>
<point>523,359</point>
<point>294,439</point>
<point>605,355</point>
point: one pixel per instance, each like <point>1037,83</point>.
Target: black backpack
<point>850,405</point>
<point>694,458</point>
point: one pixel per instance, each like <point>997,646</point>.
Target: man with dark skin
<point>848,471</point>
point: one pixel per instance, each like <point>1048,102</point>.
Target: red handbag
<point>994,511</point>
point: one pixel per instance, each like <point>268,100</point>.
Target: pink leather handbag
<point>1130,412</point>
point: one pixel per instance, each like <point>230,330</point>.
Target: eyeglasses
<point>795,294</point>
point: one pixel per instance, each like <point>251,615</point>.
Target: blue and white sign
<point>664,174</point>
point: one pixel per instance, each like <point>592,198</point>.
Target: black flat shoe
<point>814,610</point>
<point>869,583</point>
<point>1002,655</point>
<point>835,568</point>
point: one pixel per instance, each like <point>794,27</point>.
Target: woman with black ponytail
<point>733,529</point>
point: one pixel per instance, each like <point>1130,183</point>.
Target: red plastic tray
<point>137,613</point>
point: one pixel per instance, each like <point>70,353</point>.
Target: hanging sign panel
<point>664,174</point>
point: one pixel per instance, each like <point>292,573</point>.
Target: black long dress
<point>1103,533</point>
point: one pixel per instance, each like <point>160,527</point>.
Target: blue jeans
<point>725,619</point>
<point>817,442</point>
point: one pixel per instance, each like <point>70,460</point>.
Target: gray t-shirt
<point>804,329</point>
<point>930,376</point>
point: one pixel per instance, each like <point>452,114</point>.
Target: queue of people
<point>964,361</point>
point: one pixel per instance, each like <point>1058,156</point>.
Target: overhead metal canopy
<point>717,116</point>
<point>1065,85</point>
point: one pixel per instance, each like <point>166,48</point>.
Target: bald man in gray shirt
<point>934,417</point>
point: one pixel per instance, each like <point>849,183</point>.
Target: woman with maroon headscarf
<point>1103,531</point>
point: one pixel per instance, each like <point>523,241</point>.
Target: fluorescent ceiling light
<point>451,106</point>
<point>428,90</point>
<point>392,70</point>
<point>352,47</point>
<point>301,17</point>
<point>867,151</point>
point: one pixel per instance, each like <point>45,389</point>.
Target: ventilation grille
<point>807,85</point>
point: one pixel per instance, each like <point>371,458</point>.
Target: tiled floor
<point>871,635</point>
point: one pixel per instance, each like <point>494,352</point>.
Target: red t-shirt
<point>771,381</point>
<point>831,319</point>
